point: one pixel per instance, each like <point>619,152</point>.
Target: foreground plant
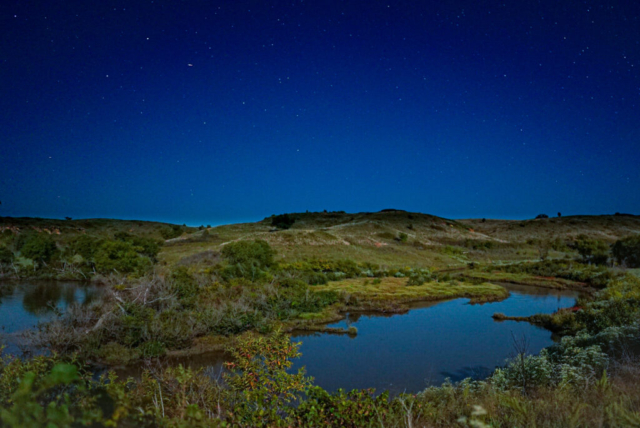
<point>260,387</point>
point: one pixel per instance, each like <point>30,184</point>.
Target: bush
<point>85,245</point>
<point>120,256</point>
<point>626,251</point>
<point>39,247</point>
<point>592,250</point>
<point>146,246</point>
<point>354,409</point>
<point>171,232</point>
<point>257,253</point>
<point>283,221</point>
<point>402,237</point>
<point>184,286</point>
<point>259,380</point>
<point>6,255</point>
<point>540,216</point>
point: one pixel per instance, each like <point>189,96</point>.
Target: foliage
<point>595,276</point>
<point>184,286</point>
<point>357,408</point>
<point>84,245</point>
<point>40,247</point>
<point>260,386</point>
<point>6,255</point>
<point>591,250</point>
<point>283,221</point>
<point>170,232</point>
<point>47,392</point>
<point>146,246</point>
<point>626,251</point>
<point>121,257</point>
<point>256,253</point>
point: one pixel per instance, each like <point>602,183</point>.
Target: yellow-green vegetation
<point>241,286</point>
<point>396,290</point>
<point>526,279</point>
<point>389,238</point>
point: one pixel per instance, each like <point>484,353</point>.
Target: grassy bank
<point>397,290</point>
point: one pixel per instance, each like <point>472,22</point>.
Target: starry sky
<point>211,112</point>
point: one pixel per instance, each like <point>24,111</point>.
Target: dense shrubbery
<point>627,251</point>
<point>39,247</point>
<point>121,257</point>
<point>256,253</point>
<point>283,221</point>
<point>170,232</point>
<point>592,250</point>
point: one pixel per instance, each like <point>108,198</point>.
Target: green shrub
<point>417,279</point>
<point>39,247</point>
<point>283,221</point>
<point>626,251</point>
<point>354,409</point>
<point>152,349</point>
<point>6,255</point>
<point>85,246</point>
<point>171,232</point>
<point>256,253</point>
<point>184,286</point>
<point>260,384</point>
<point>120,256</point>
<point>592,250</point>
<point>145,246</point>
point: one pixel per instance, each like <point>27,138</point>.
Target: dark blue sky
<point>223,111</point>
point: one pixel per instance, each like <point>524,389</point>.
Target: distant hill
<point>65,229</point>
<point>394,237</point>
<point>389,237</point>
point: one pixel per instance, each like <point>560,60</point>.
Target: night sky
<point>210,112</point>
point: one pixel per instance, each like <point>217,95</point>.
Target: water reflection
<point>432,342</point>
<point>24,304</point>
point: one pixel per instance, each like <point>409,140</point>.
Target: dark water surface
<point>411,351</point>
<point>24,304</point>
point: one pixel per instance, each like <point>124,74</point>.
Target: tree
<point>283,221</point>
<point>592,250</point>
<point>39,247</point>
<point>626,251</point>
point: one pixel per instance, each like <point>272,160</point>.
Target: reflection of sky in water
<point>23,305</point>
<point>408,352</point>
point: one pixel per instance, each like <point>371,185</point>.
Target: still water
<point>409,352</point>
<point>24,304</point>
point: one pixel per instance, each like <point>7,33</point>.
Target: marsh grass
<point>393,289</point>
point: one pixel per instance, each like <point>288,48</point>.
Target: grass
<point>396,290</point>
<point>525,279</point>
